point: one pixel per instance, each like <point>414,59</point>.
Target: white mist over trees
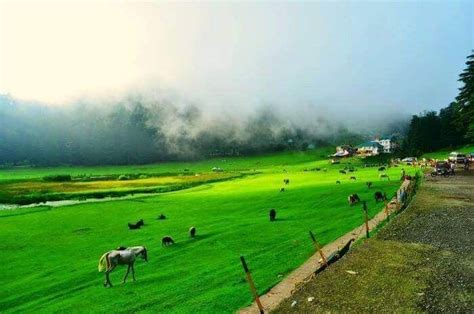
<point>138,129</point>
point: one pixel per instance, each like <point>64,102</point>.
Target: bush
<point>58,178</point>
<point>123,177</point>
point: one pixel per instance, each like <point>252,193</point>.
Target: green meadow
<point>51,253</point>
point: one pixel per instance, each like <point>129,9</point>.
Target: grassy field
<point>52,253</point>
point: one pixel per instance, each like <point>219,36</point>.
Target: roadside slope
<point>422,261</point>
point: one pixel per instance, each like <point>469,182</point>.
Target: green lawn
<point>51,254</point>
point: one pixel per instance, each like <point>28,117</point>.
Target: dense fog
<point>139,128</point>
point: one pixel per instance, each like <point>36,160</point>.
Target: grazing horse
<point>272,214</point>
<point>352,178</point>
<point>167,240</point>
<point>121,256</point>
<point>379,197</point>
<point>192,232</point>
<point>353,199</point>
<point>381,176</point>
<point>342,171</point>
<point>369,184</point>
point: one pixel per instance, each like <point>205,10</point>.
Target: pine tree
<point>464,119</point>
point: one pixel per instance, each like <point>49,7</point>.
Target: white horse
<point>122,256</point>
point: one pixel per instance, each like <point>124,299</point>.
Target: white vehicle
<point>409,159</point>
<point>457,157</point>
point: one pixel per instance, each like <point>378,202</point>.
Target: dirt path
<point>422,261</point>
<point>284,289</point>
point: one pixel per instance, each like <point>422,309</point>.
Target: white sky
<point>351,55</point>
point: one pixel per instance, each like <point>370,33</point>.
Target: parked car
<point>457,157</point>
<point>409,159</point>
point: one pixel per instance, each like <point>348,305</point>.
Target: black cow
<point>273,214</point>
<point>192,232</point>
<point>353,199</point>
<point>167,240</point>
<point>379,197</point>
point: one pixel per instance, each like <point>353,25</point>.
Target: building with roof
<point>370,148</point>
<point>387,143</point>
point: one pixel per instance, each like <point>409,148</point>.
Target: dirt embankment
<point>422,261</point>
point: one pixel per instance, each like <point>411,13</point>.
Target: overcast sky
<point>404,55</point>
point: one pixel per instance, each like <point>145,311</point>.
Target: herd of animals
<point>127,256</point>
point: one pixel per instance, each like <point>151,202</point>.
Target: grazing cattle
<point>369,184</point>
<point>122,256</point>
<point>282,189</point>
<point>192,232</point>
<point>352,178</point>
<point>379,197</point>
<point>353,199</point>
<point>273,214</point>
<point>342,171</point>
<point>286,181</point>
<point>382,169</point>
<point>162,217</point>
<point>338,182</point>
<point>167,240</point>
<point>134,226</point>
<point>381,176</point>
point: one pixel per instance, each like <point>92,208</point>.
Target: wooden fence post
<point>251,284</point>
<point>364,203</point>
<point>318,248</point>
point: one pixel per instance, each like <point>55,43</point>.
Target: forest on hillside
<point>451,126</point>
<point>137,131</point>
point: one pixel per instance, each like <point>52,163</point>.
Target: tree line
<point>451,126</point>
<point>138,131</point>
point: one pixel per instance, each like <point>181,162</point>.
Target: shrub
<point>57,178</point>
<point>123,177</point>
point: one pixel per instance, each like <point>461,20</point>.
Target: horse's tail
<point>103,262</point>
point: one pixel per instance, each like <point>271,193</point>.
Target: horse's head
<point>144,254</point>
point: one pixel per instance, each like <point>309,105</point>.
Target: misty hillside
<point>136,130</point>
